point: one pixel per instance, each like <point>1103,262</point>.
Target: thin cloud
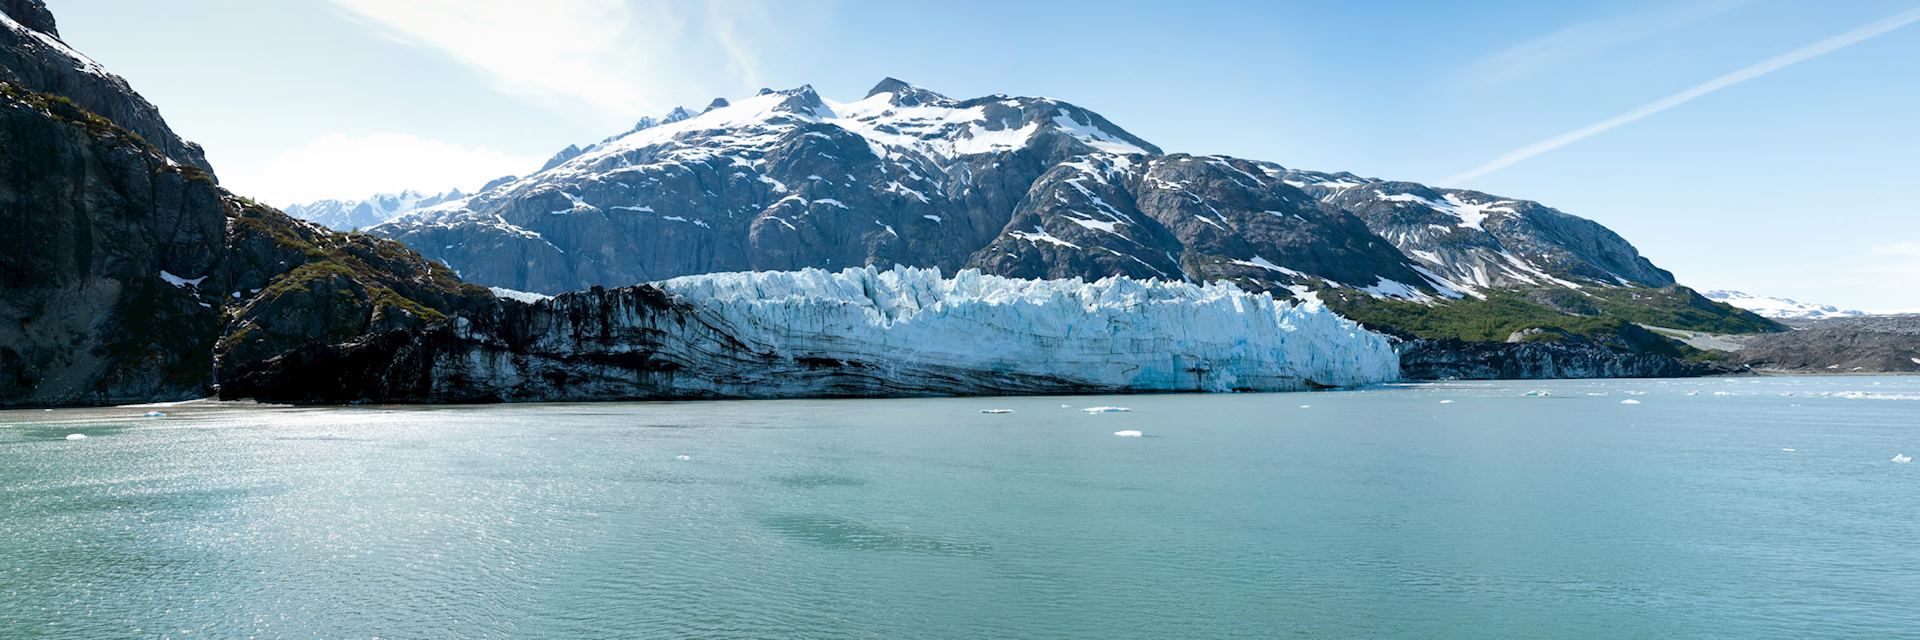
<point>1587,39</point>
<point>599,60</point>
<point>1829,45</point>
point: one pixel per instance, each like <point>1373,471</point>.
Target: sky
<point>1769,146</point>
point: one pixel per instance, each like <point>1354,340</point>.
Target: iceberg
<point>76,436</point>
<point>1105,409</point>
<point>1128,433</point>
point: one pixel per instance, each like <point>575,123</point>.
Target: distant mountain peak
<point>905,94</point>
<point>1781,308</point>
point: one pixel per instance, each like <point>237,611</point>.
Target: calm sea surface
<point>1741,508</point>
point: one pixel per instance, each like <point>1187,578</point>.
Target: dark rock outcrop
<point>33,57</point>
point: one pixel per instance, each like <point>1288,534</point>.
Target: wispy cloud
<point>1586,39</point>
<point>597,59</point>
<point>343,166</point>
<point>1765,67</point>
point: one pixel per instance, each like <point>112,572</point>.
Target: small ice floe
<point>1127,433</point>
<point>996,411</point>
<point>1446,402</point>
<point>683,457</point>
<point>1105,409</point>
<point>1788,449</point>
<point>1538,393</point>
<point>1306,406</point>
<point>154,414</point>
<point>1597,393</point>
<point>1629,401</point>
<point>1723,393</point>
<point>1693,393</point>
<point>1066,406</point>
<point>1901,458</point>
<point>1636,393</point>
<point>76,436</point>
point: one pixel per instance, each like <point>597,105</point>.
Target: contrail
<point>1771,65</point>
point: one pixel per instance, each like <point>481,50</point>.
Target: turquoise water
<point>1373,513</point>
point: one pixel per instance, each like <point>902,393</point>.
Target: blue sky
<point>1795,178</point>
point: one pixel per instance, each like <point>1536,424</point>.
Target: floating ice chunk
<point>154,414</point>
<point>1901,458</point>
<point>1306,406</point>
<point>1446,402</point>
<point>1066,406</point>
<point>683,457</point>
<point>1723,393</point>
<point>1105,409</point>
<point>1788,449</point>
<point>1538,393</point>
<point>76,436</point>
<point>996,411</point>
<point>1629,401</point>
<point>1134,433</point>
<point>1636,393</point>
<point>1693,393</point>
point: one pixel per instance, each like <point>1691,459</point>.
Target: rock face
<point>143,276</point>
<point>352,215</point>
<point>33,57</point>
<point>1867,344</point>
<point>859,332</point>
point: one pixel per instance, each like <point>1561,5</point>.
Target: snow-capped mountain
<point>1014,186</point>
<point>1781,308</point>
<point>347,215</point>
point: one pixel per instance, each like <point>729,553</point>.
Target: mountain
<point>1781,308</point>
<point>146,281</point>
<point>1038,188</point>
<point>349,215</point>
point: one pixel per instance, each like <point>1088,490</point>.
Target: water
<point>1375,513</point>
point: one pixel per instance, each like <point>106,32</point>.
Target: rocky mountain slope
<point>1039,188</point>
<point>33,57</point>
<point>353,215</point>
<point>1781,308</point>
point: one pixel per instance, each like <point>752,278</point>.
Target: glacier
<point>900,331</point>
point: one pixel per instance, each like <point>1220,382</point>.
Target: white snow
<point>1471,214</point>
<point>181,282</point>
<point>1112,333</point>
<point>523,296</point>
